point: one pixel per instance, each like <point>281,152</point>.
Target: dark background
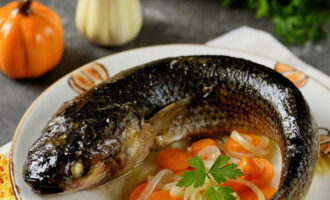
<point>165,21</point>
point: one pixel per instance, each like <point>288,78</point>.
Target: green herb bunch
<point>220,171</point>
<point>296,21</point>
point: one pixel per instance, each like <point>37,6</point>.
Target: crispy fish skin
<point>103,133</point>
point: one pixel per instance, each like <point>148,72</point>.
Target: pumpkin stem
<point>25,6</point>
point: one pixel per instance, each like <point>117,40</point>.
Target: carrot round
<point>161,195</point>
<point>250,195</point>
<point>232,145</point>
<point>257,170</point>
<point>135,194</point>
<point>268,191</point>
<point>247,195</point>
<point>266,169</point>
<point>173,159</point>
<point>199,145</point>
<point>235,186</point>
<point>249,168</point>
<point>137,191</point>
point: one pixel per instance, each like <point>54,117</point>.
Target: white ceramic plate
<point>45,106</point>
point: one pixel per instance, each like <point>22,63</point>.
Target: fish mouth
<point>43,187</point>
<point>39,174</point>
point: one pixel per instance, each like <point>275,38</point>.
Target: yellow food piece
<point>6,192</point>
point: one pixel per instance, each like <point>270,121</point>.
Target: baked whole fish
<point>103,133</point>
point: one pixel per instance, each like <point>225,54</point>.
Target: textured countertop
<point>165,21</point>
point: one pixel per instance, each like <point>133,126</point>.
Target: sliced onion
<point>238,155</point>
<point>149,178</point>
<point>169,186</point>
<point>177,192</point>
<point>195,195</point>
<point>211,153</point>
<point>187,193</point>
<point>192,194</point>
<point>152,184</point>
<point>247,145</point>
<point>264,142</point>
<point>199,196</point>
<point>253,187</point>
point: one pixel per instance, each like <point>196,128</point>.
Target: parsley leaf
<point>219,193</point>
<point>220,162</point>
<point>194,177</point>
<point>229,171</point>
<point>197,163</point>
<point>220,171</point>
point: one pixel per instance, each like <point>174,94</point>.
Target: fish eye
<point>77,169</point>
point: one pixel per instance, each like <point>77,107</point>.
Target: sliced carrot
<point>250,195</point>
<point>247,195</point>
<point>232,145</point>
<point>161,195</point>
<point>237,187</point>
<point>249,168</point>
<point>137,191</point>
<point>173,159</point>
<point>254,139</point>
<point>266,169</point>
<point>268,191</point>
<point>199,145</point>
<point>257,170</point>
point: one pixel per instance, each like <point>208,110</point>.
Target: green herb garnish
<point>220,171</point>
<point>296,21</point>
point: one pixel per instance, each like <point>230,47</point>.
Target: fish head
<point>71,156</point>
<point>54,158</point>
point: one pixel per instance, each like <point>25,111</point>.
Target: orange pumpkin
<point>31,39</point>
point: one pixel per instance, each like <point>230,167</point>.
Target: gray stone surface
<point>165,21</point>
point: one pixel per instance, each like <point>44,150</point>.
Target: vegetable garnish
<point>173,159</point>
<point>217,174</point>
<point>296,21</point>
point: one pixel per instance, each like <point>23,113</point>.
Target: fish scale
<point>117,123</point>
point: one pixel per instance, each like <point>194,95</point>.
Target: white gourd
<point>109,22</point>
